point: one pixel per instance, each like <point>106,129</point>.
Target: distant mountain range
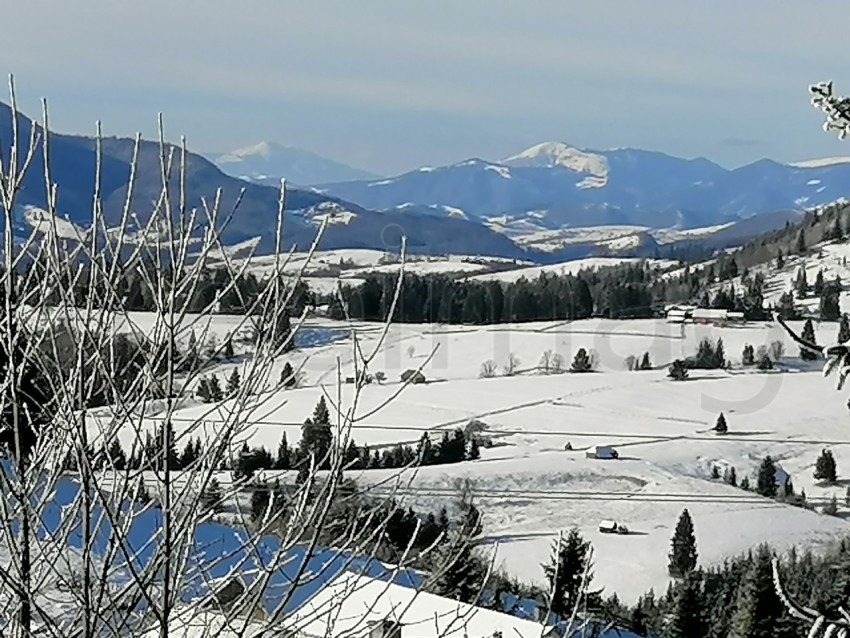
<point>552,185</point>
<point>72,165</point>
<point>267,163</point>
<point>547,203</point>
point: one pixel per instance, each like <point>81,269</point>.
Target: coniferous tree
<point>731,477</point>
<point>282,461</point>
<point>233,382</point>
<point>683,554</point>
<point>809,335</point>
<point>721,427</point>
<point>759,609</point>
<point>715,472</point>
<point>766,479</point>
<point>317,436</point>
<point>844,329</point>
<point>719,360</point>
<point>474,452</point>
<point>287,376</point>
<point>203,390</point>
<point>216,393</point>
<point>117,456</point>
<point>817,288</point>
<point>461,578</point>
<point>687,618</point>
<point>748,356</point>
<point>745,483</point>
<point>825,468</point>
<point>645,363</point>
<point>228,353</point>
<point>780,261</point>
<point>830,306</point>
<point>565,573</point>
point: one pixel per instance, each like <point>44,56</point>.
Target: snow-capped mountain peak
<point>821,162</point>
<point>261,149</point>
<point>552,154</point>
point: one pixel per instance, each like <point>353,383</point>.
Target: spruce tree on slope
<point>686,619</point>
<point>766,479</point>
<point>316,435</point>
<point>462,573</point>
<point>825,468</point>
<point>721,427</point>
<point>844,329</point>
<point>759,610</point>
<point>565,574</point>
<point>683,554</point>
<point>809,335</point>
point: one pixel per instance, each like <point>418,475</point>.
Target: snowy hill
<point>267,163</point>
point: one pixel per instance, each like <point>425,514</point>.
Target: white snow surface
<point>350,604</point>
<point>570,267</point>
<point>529,486</point>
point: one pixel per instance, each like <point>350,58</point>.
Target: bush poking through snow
<point>678,371</point>
<point>511,365</point>
<point>488,369</point>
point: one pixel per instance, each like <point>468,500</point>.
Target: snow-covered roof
<point>351,605</point>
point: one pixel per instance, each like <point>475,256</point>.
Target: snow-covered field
<point>530,487</point>
<point>570,268</point>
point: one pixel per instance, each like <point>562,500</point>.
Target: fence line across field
<point>649,437</point>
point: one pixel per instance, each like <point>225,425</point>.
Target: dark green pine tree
<point>687,617</point>
<point>282,461</point>
<point>825,468</point>
<point>233,383</point>
<point>719,359</point>
<point>317,436</point>
<point>683,554</point>
<point>474,451</point>
<point>780,260</point>
<point>228,353</point>
<point>766,479</point>
<point>287,376</point>
<point>748,357</point>
<point>817,288</point>
<point>645,362</point>
<point>565,574</point>
<point>809,335</point>
<point>721,427</point>
<point>830,306</point>
<point>462,572</point>
<point>759,610</point>
<point>844,329</point>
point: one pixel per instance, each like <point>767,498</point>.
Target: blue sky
<point>390,85</point>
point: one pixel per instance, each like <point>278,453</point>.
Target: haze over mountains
<point>547,203</point>
<point>267,162</point>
